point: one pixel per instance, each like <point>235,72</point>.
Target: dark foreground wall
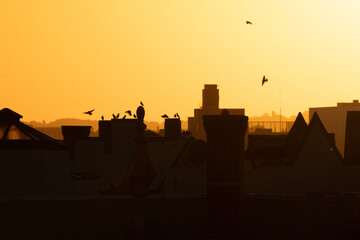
<point>181,218</point>
<point>103,219</point>
<point>302,218</point>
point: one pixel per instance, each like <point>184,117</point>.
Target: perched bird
<point>165,116</point>
<point>248,22</point>
<point>124,117</point>
<point>177,115</point>
<point>114,117</point>
<point>118,115</point>
<point>141,103</point>
<point>128,112</point>
<point>89,112</point>
<point>134,115</point>
<point>186,133</point>
<point>264,80</point>
<point>102,118</point>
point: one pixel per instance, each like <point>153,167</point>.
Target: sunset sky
<point>61,58</point>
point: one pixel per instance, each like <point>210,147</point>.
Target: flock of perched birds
<point>176,115</point>
<point>128,112</point>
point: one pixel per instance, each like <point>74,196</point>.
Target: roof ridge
<point>295,137</point>
<point>316,120</point>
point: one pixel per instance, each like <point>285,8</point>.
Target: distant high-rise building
<point>210,106</point>
<point>210,97</point>
<point>334,120</point>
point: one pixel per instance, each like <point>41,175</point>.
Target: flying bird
<point>128,112</point>
<point>141,103</point>
<point>264,80</point>
<point>165,116</point>
<point>248,22</point>
<point>89,112</point>
<point>102,118</point>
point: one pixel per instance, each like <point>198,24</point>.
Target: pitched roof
<point>298,136</point>
<point>12,129</point>
<point>8,116</point>
<point>295,137</point>
<point>316,124</point>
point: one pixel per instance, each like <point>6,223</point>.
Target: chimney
<point>352,137</point>
<point>172,127</point>
<point>225,167</point>
<point>123,134</point>
<point>73,133</point>
<point>105,134</point>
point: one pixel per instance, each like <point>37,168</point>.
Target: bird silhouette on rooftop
<point>118,115</point>
<point>124,117</point>
<point>102,118</point>
<point>165,116</point>
<point>128,112</point>
<point>114,117</point>
<point>186,133</point>
<point>89,112</point>
<point>264,80</point>
<point>248,22</point>
<point>141,103</point>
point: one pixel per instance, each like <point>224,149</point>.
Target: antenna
<point>280,105</point>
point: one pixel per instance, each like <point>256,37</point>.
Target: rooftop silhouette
<point>216,185</point>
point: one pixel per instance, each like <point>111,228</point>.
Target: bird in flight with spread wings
<point>89,112</point>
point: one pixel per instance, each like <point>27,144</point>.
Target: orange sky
<point>60,58</point>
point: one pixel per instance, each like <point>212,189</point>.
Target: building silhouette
<point>352,138</point>
<point>307,161</point>
<point>225,173</point>
<point>130,183</point>
<point>334,120</point>
<point>210,106</point>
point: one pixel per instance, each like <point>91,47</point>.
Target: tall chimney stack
<point>225,167</point>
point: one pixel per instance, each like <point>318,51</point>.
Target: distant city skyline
<point>59,59</point>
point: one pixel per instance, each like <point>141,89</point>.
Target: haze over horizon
<point>63,58</point>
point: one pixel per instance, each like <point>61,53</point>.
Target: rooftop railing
<point>265,126</point>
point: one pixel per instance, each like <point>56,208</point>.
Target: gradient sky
<point>61,58</point>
